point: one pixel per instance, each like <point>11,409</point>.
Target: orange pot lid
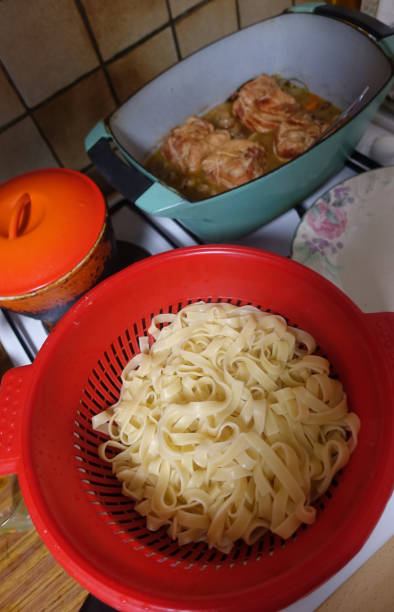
<point>49,221</point>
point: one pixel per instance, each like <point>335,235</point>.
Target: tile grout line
<point>13,85</point>
<point>173,31</point>
<point>238,14</point>
<point>29,112</point>
<point>89,30</point>
<point>103,66</point>
<point>102,63</point>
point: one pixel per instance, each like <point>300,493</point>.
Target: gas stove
<point>139,235</point>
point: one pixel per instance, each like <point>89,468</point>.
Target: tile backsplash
<point>66,64</point>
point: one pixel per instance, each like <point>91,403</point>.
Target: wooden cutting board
<point>30,578</point>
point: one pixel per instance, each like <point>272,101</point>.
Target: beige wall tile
<point>180,6</point>
<point>205,25</point>
<point>44,46</point>
<point>120,23</point>
<point>22,149</point>
<point>142,64</point>
<point>10,105</point>
<point>252,11</point>
<point>67,118</point>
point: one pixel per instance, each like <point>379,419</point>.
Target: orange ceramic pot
<point>55,241</point>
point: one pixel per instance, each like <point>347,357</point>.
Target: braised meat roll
<point>262,105</point>
<point>186,145</point>
<point>236,162</point>
<point>295,135</point>
<point>267,122</point>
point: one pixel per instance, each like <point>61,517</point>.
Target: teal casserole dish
<point>337,52</point>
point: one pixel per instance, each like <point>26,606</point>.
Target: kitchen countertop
<point>30,578</point>
<point>370,588</point>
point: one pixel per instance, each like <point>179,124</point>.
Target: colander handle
<point>12,395</point>
<point>382,324</point>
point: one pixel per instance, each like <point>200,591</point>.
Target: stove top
<point>139,235</point>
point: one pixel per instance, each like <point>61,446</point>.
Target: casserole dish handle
<point>382,33</point>
<point>126,178</point>
<point>14,385</point>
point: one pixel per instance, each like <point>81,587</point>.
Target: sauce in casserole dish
<point>267,122</point>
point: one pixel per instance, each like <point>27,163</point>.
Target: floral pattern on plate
<point>324,225</point>
<point>345,236</point>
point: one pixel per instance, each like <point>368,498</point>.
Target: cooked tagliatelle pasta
<point>227,426</point>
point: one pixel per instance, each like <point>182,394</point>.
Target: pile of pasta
<point>227,426</point>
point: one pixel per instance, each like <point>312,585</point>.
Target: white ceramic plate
<point>347,235</point>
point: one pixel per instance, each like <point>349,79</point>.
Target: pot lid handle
<point>19,216</point>
<point>51,218</point>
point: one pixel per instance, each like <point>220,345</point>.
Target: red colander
<point>75,501</point>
